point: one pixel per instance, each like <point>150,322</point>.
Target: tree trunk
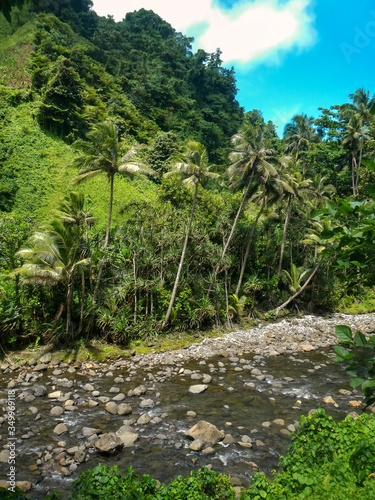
<point>135,290</point>
<point>278,309</point>
<point>231,232</point>
<point>174,292</point>
<point>68,308</point>
<point>244,262</point>
<point>82,300</point>
<point>286,223</point>
<point>358,167</point>
<point>106,240</point>
<point>354,168</point>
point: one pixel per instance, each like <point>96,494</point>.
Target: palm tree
<point>53,257</point>
<point>362,105</point>
<point>72,212</point>
<point>295,188</point>
<point>193,167</point>
<point>103,152</point>
<point>251,155</point>
<point>298,136</point>
<point>269,182</point>
<point>354,137</point>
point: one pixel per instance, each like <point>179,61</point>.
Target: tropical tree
<point>268,181</point>
<point>194,169</point>
<point>53,257</point>
<point>299,134</point>
<point>362,105</point>
<point>103,152</point>
<point>251,155</point>
<point>295,188</point>
<point>353,139</point>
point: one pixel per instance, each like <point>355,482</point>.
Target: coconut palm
<point>54,257</point>
<point>363,106</point>
<point>252,155</point>
<point>102,152</point>
<point>299,134</point>
<point>268,180</point>
<point>295,188</point>
<point>194,169</point>
<point>353,139</point>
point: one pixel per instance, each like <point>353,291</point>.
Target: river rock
<point>355,404</point>
<point>4,456</point>
<point>79,456</point>
<point>108,442</point>
<point>307,347</point>
<point>127,438</point>
<point>111,408</point>
<point>144,419</point>
<point>55,395</point>
<point>147,403</point>
<point>46,358</point>
<point>60,429</point>
<point>329,401</point>
<point>206,432</point>
<point>89,431</point>
<point>196,445</point>
<point>88,388</point>
<point>24,486</point>
<point>124,409</point>
<point>56,411</point>
<point>197,389</point>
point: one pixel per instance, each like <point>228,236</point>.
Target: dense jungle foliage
<point>136,195</point>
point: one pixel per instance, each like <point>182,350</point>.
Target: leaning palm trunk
<point>286,224</point>
<point>174,292</point>
<point>246,256</point>
<point>278,309</point>
<point>231,233</point>
<point>106,240</point>
<point>358,167</point>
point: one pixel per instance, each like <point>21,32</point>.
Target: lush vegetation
<point>137,197</point>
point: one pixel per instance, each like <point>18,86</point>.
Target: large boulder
<point>205,432</point>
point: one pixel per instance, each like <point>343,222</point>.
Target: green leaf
<point>343,333</point>
<point>360,340</point>
<point>356,382</point>
<point>368,383</point>
<point>342,352</point>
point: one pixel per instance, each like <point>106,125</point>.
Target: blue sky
<point>290,56</point>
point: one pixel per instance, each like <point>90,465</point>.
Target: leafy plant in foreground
<point>359,360</point>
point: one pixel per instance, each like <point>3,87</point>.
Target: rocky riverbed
<point>230,402</point>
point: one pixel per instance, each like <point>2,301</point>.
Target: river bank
<point>251,385</point>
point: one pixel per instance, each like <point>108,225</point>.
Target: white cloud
<point>252,31</point>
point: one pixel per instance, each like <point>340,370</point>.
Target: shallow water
<point>235,401</point>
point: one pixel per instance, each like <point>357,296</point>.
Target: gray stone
<point>147,403</point>
<point>196,445</point>
<point>112,408</point>
<point>108,442</point>
<point>127,438</point>
<point>206,432</point>
<point>144,419</point>
<point>197,389</point>
<point>56,411</point>
<point>124,409</point>
<point>60,429</point>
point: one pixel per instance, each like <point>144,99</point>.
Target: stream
<point>254,391</point>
